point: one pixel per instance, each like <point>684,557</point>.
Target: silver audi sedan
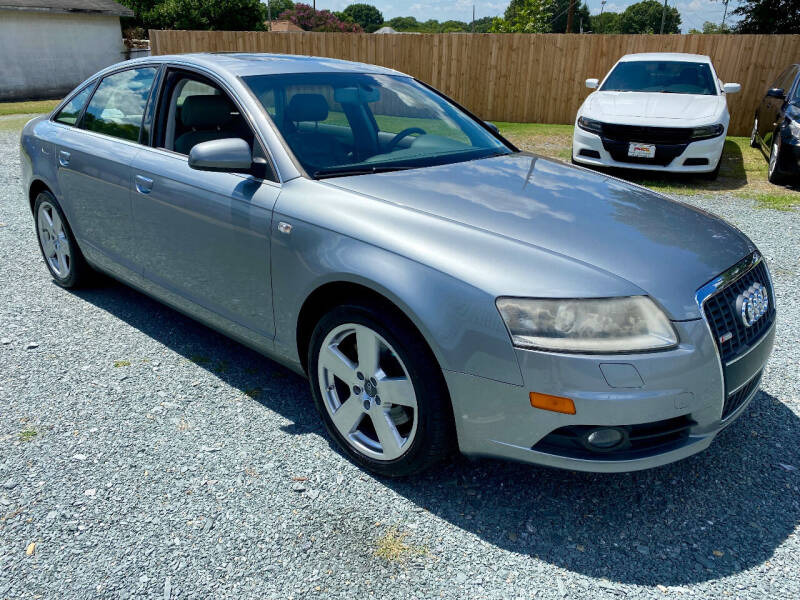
<point>441,290</point>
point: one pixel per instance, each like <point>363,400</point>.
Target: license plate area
<point>639,150</point>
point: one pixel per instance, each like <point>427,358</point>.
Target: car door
<point>203,236</point>
<point>94,156</point>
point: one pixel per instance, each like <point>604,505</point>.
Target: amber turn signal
<point>553,403</point>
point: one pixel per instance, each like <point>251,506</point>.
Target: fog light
<point>605,438</point>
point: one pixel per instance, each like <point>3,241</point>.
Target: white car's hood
<point>638,107</point>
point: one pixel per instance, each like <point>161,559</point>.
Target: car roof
<point>672,56</point>
<point>244,64</point>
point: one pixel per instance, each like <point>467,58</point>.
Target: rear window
<point>72,110</point>
<point>117,106</point>
<point>668,77</point>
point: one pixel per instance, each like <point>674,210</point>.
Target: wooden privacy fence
<point>515,77</point>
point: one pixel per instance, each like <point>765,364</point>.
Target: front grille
<point>720,310</point>
<point>665,153</point>
<point>648,135</point>
<point>641,440</point>
<point>737,398</point>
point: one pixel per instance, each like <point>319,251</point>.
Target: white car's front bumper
<point>587,146</point>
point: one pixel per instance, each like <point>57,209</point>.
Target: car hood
<point>648,108</point>
<point>663,247</point>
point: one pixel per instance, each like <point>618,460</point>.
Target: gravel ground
<point>144,456</point>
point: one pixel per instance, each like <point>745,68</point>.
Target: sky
<point>693,12</point>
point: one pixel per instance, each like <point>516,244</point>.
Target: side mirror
<point>230,155</point>
<point>592,83</point>
<point>776,93</point>
<point>731,88</point>
<point>492,126</point>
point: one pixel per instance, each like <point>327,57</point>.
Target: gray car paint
<point>442,243</point>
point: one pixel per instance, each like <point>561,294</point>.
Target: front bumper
<point>588,149</point>
<point>686,384</point>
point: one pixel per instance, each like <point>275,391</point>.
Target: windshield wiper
<point>357,170</point>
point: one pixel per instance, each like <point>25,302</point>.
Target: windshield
<point>670,77</point>
<point>353,123</point>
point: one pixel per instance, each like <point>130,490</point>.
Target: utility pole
<point>600,19</point>
<point>473,18</point>
<point>663,16</point>
<point>725,14</point>
<point>570,15</point>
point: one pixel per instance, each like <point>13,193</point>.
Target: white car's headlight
<point>592,325</point>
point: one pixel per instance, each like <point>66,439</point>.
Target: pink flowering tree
<point>305,17</point>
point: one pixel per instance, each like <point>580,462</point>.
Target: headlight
<point>590,125</point>
<point>593,325</point>
<point>709,131</point>
<point>794,128</point>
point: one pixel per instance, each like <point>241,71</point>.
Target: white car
<point>659,112</point>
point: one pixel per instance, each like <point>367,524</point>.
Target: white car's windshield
<point>353,123</point>
<point>669,77</point>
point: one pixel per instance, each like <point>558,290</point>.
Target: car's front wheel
<point>379,390</point>
<point>754,134</point>
<point>57,243</point>
<point>774,174</point>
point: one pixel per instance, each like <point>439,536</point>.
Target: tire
<point>754,143</point>
<point>712,175</point>
<point>774,174</point>
<point>414,416</point>
<point>60,251</point>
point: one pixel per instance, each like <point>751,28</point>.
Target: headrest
<point>307,107</point>
<point>204,112</point>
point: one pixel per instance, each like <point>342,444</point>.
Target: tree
<point>482,25</point>
<point>367,16</point>
<point>525,16</point>
<point>608,22</point>
<point>559,22</point>
<point>768,16</point>
<point>645,17</point>
<point>276,7</point>
<point>709,27</point>
<point>230,15</point>
<point>403,24</point>
<point>453,27</point>
<point>309,19</point>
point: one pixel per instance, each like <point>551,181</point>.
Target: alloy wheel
<point>773,159</point>
<point>367,392</point>
<point>53,237</point>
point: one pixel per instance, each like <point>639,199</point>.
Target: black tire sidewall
<point>433,438</point>
<point>76,266</point>
<point>776,177</point>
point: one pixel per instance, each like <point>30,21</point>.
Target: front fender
<point>459,322</point>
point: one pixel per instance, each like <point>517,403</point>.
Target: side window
<point>117,106</point>
<point>786,81</point>
<point>199,111</point>
<point>72,109</point>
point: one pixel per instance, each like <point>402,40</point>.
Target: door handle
<point>63,158</point>
<point>143,184</point>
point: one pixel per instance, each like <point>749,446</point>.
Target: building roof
<point>102,7</point>
<point>279,25</point>
<point>386,29</point>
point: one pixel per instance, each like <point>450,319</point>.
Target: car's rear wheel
<point>59,249</point>
<point>379,390</point>
<point>754,143</point>
<point>774,174</point>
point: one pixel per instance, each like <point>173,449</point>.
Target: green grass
<point>27,434</point>
<point>743,171</point>
<point>27,107</point>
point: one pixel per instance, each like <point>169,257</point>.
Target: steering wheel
<point>405,133</point>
